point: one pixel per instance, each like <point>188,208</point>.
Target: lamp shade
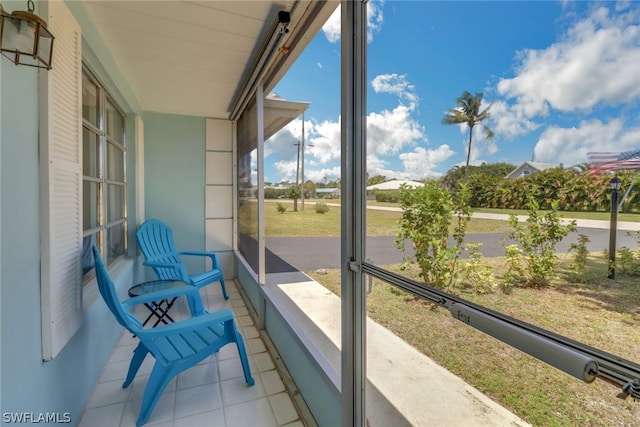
<point>615,183</point>
<point>25,40</point>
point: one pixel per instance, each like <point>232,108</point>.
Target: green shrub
<point>629,260</point>
<point>273,193</point>
<point>322,208</point>
<point>580,256</point>
<point>475,273</point>
<point>281,208</point>
<point>537,240</point>
<point>389,196</point>
<point>514,261</point>
<point>427,215</point>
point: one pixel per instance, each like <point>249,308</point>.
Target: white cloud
<point>323,175</point>
<point>282,142</point>
<point>419,163</point>
<point>325,138</point>
<point>396,84</point>
<point>388,132</point>
<point>510,120</point>
<point>395,141</point>
<point>375,18</point>
<point>571,145</point>
<point>287,170</point>
<point>596,63</point>
<point>331,28</point>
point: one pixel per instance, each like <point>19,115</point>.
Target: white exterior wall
<point>219,193</point>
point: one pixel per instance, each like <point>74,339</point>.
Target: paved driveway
<point>311,253</point>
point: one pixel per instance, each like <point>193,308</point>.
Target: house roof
<point>196,57</point>
<point>536,166</point>
<point>395,184</point>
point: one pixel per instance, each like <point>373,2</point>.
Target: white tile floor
<point>212,393</point>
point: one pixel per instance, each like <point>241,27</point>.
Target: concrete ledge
<point>404,386</point>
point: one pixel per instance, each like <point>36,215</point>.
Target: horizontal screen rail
<point>577,359</point>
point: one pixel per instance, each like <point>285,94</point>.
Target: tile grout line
<point>303,411</point>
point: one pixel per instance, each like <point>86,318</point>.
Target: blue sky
<point>562,79</point>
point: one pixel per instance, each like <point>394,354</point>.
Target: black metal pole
<point>612,233</point>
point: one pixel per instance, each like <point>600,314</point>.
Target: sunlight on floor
<point>213,393</point>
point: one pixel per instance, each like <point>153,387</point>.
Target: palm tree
<point>468,111</point>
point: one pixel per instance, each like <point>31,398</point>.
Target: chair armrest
<point>189,291</point>
<point>188,325</point>
<point>212,255</point>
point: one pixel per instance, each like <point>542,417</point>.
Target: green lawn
<point>308,223</point>
<point>597,313</point>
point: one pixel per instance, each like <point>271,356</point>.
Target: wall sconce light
<point>24,38</point>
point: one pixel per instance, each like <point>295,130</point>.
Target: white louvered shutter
<point>61,182</point>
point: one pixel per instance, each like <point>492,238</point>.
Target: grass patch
<point>597,313</point>
<point>308,223</point>
<point>602,216</point>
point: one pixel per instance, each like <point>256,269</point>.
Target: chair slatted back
<point>109,295</point>
<point>155,239</point>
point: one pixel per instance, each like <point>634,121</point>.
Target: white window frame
<point>102,180</point>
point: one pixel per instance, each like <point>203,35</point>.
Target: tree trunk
<point>466,169</point>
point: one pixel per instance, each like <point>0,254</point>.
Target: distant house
<point>527,168</point>
<point>327,193</point>
<point>394,184</point>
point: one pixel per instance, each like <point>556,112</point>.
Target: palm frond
<point>468,111</point>
<point>454,117</point>
<point>488,133</point>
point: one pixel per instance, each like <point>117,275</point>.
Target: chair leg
<point>196,307</point>
<point>158,380</point>
<point>243,359</point>
<point>224,289</point>
<point>138,357</point>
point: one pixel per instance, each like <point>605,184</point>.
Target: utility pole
<point>302,149</point>
<point>295,199</point>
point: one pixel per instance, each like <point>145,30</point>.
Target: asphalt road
<point>312,253</point>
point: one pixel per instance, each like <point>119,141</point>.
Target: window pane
<point>87,253</point>
<point>115,123</point>
<point>115,202</point>
<point>89,100</point>
<point>115,163</point>
<point>104,123</point>
<point>90,153</point>
<point>247,203</point>
<point>90,202</point>
<point>115,242</point>
<point>535,280</point>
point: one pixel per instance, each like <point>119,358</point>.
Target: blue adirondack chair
<point>155,239</point>
<point>176,346</point>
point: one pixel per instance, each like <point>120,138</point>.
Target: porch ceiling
<point>194,57</point>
